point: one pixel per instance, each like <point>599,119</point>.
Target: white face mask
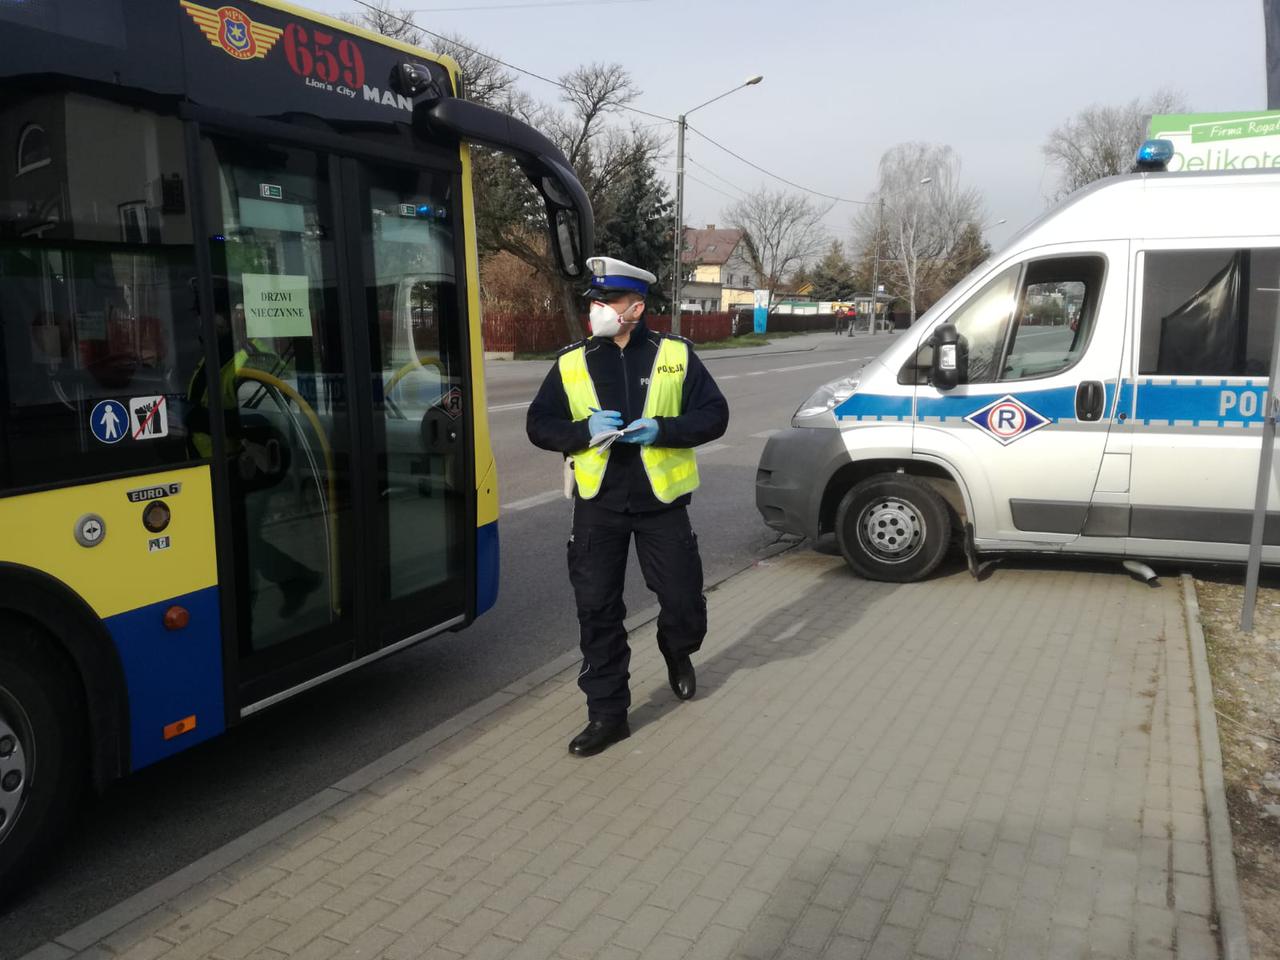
<point>606,321</point>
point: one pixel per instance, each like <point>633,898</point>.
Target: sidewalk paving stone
<point>944,770</point>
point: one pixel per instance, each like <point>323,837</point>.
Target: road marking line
<point>504,407</point>
<point>764,434</point>
<point>808,366</point>
<point>537,500</point>
<point>714,448</point>
<point>798,366</point>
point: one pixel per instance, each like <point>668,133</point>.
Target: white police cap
<point>610,275</point>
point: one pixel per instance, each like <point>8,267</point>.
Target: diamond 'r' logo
<point>1007,419</point>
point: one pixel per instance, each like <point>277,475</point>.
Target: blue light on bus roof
<point>1154,155</point>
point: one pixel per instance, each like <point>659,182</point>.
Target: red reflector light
<point>176,618</point>
<point>179,727</point>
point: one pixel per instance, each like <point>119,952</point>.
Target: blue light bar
<point>1154,155</point>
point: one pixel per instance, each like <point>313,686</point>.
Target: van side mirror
<point>946,356</point>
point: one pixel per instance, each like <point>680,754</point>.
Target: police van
<point>1096,388</point>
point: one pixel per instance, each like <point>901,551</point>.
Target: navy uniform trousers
<point>667,549</point>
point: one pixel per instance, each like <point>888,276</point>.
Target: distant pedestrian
<point>639,484</point>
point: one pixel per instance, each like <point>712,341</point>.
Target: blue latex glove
<point>602,420</point>
<point>645,435</point>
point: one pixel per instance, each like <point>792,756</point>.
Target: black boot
<point>598,735</point>
<point>684,684</point>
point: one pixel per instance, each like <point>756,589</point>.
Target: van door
<point>1026,428</point>
<point>1206,325</point>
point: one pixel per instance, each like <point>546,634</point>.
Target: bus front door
<point>409,258</point>
<point>342,394</point>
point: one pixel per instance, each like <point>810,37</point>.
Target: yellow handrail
<point>248,373</point>
<point>418,362</point>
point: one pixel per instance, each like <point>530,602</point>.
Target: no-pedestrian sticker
<point>148,418</point>
<point>108,421</point>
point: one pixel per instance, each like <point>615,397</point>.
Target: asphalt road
<point>165,817</point>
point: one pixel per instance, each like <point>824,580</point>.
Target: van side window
<point>1205,312</point>
<point>1056,313</point>
<point>1032,320</point>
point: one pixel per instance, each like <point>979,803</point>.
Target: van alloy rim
<point>14,762</point>
<point>891,530</point>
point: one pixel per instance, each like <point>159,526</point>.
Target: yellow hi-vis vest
<point>672,471</point>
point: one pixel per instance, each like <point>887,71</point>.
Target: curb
<point>86,934</point>
<point>1232,929</point>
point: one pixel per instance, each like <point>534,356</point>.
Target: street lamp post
<point>875,270</point>
<point>678,266</point>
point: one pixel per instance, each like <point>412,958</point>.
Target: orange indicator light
<point>179,727</point>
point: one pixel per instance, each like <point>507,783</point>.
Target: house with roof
<point>718,273</point>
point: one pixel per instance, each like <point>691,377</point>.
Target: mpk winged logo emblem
<point>231,30</point>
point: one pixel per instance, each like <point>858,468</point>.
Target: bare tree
<point>1102,141</point>
<point>605,157</point>
<point>510,218</point>
<point>782,231</point>
<point>484,79</point>
<point>381,17</point>
<point>926,211</point>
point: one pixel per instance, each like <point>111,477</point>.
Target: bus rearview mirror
<point>567,244</point>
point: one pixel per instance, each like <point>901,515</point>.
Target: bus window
<point>99,327</point>
<point>283,387</point>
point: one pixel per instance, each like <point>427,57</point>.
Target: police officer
<point>654,387</point>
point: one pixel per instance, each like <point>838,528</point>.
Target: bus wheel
<point>42,757</point>
<point>893,527</point>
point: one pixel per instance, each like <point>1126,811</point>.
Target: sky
<point>844,80</point>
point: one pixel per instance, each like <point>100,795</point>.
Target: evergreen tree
<point>637,226</point>
<point>833,276</point>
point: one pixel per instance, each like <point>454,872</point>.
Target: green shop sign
<point>1221,141</point>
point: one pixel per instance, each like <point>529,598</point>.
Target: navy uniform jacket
<point>621,378</point>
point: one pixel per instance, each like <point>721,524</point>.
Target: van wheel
<point>42,755</point>
<point>893,527</point>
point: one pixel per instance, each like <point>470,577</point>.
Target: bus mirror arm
<point>569,216</point>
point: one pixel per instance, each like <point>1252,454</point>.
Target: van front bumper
<point>793,473</point>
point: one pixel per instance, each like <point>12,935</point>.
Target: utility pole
<point>677,266</point>
<point>677,271</point>
<point>875,269</point>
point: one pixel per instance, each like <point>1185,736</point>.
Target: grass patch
<point>1245,670</point>
<point>750,340</point>
<point>544,355</point>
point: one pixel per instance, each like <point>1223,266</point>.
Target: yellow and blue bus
<point>243,442</point>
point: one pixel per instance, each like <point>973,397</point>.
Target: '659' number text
<point>315,55</point>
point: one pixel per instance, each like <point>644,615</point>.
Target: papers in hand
<point>606,438</point>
